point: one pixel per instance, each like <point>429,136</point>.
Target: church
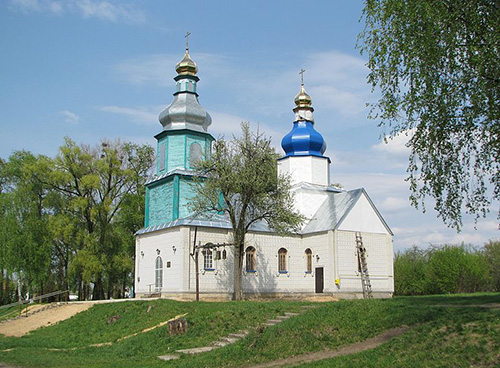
<point>343,249</point>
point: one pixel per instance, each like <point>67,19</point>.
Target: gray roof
<point>154,178</point>
<point>329,215</point>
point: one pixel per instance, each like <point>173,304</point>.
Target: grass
<point>444,336</point>
<point>11,312</point>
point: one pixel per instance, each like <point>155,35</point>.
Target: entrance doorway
<point>320,282</point>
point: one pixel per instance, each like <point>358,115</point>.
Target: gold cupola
<point>186,66</point>
<point>303,103</point>
<point>302,99</point>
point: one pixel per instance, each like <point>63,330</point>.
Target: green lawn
<point>443,336</point>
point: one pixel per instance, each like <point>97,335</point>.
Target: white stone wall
<point>309,169</point>
<point>363,218</point>
<point>379,261</point>
<point>334,251</point>
<point>218,280</point>
<point>308,201</point>
<point>147,247</point>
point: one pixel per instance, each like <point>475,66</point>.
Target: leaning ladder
<point>365,277</point>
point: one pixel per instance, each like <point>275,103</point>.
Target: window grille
<point>282,260</point>
<point>158,273</point>
<point>308,260</point>
<point>250,259</point>
<point>208,263</point>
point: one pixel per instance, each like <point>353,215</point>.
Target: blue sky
<point>94,69</point>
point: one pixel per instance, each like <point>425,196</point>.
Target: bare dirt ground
<point>345,350</point>
<point>21,326</point>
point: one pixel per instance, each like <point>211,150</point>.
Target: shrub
<point>446,269</point>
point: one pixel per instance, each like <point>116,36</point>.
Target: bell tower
<point>183,141</point>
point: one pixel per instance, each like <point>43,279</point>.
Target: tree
<point>240,180</point>
<point>492,252</point>
<point>96,184</point>
<point>437,67</point>
<point>24,238</point>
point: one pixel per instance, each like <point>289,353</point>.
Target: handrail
<point>22,302</point>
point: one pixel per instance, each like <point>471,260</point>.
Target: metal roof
<point>329,216</point>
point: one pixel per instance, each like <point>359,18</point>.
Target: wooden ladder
<point>363,269</point>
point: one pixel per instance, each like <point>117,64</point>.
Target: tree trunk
<point>98,292</point>
<point>238,268</point>
<point>124,284</point>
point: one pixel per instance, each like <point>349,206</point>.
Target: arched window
<point>282,260</point>
<point>250,259</point>
<point>158,273</point>
<point>208,263</point>
<point>309,264</point>
<point>224,254</point>
<point>194,154</point>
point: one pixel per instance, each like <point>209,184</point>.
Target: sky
<point>103,69</point>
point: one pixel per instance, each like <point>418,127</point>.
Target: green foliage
<point>492,253</point>
<point>410,269</point>
<point>444,269</point>
<point>240,180</point>
<point>69,221</point>
<point>436,65</point>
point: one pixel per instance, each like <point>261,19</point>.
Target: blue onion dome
<point>303,139</point>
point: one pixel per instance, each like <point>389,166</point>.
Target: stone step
<point>282,317</point>
<point>230,339</point>
<point>291,314</point>
<point>270,323</point>
<point>274,321</point>
<point>168,357</point>
<point>203,349</point>
<point>237,335</point>
<point>221,344</point>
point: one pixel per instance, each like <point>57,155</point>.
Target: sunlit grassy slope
<point>442,336</point>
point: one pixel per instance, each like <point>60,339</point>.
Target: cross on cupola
<point>302,76</point>
<point>187,40</point>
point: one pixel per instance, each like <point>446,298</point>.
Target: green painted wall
<point>186,193</point>
<point>160,203</point>
<point>176,151</point>
<point>168,200</point>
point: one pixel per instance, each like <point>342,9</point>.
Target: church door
<point>320,283</point>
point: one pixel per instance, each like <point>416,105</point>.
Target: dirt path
<point>345,350</point>
<point>21,326</point>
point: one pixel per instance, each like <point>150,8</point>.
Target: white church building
<point>322,258</point>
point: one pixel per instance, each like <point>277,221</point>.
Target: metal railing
<point>36,298</point>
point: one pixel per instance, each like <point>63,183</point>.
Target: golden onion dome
<point>303,99</point>
<point>186,66</point>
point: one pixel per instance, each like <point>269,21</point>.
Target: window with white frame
<point>158,273</point>
<point>282,253</point>
<point>208,263</point>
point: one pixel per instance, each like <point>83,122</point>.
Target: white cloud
<point>334,80</point>
<point>101,9</point>
<point>394,204</point>
<point>397,144</point>
<point>141,115</point>
<point>154,70</point>
<point>70,117</point>
<point>109,11</point>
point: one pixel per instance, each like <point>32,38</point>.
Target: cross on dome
<point>186,66</point>
<point>187,40</point>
